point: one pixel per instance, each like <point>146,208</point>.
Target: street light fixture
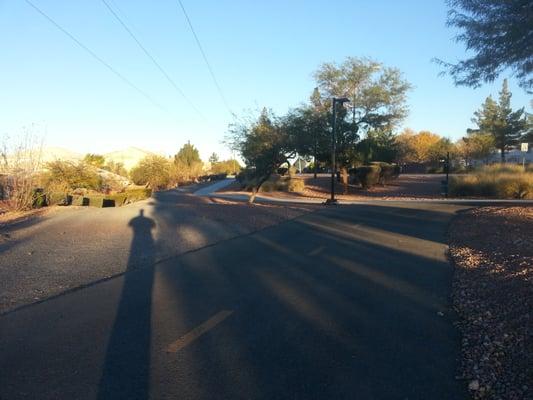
<point>334,102</point>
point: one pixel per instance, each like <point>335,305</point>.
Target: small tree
<point>475,146</point>
<point>264,144</point>
<point>20,164</point>
<point>153,171</point>
<point>213,158</point>
<point>416,147</point>
<point>499,120</point>
<point>188,164</point>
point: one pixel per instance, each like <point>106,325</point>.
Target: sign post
<point>524,147</point>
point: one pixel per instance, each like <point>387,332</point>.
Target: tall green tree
<point>378,146</point>
<point>187,162</point>
<point>499,34</point>
<point>499,120</point>
<point>377,103</point>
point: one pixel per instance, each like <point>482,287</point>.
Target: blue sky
<point>263,53</point>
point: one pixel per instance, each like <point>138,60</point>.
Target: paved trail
<point>74,246</point>
<point>345,303</point>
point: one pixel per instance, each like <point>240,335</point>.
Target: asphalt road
<point>348,302</point>
<point>74,246</point>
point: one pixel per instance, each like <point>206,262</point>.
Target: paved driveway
<point>347,302</point>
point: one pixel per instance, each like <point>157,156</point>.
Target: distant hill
<point>129,157</point>
<point>59,153</point>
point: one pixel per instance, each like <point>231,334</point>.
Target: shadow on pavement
<point>126,369</point>
<point>318,312</point>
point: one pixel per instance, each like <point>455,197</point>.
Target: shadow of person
<point>125,373</point>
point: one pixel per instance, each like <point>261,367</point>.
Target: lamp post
<point>334,102</point>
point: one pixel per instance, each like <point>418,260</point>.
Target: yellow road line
<point>194,334</point>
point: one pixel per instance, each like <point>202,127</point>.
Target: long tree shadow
<point>126,369</point>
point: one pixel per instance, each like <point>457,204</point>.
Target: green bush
<point>39,198</point>
<point>72,175</point>
<point>154,171</point>
<point>278,183</point>
<point>119,198</point>
<point>56,198</point>
<point>77,200</point>
<point>388,173</point>
<point>137,194</point>
<point>368,175</point>
<point>101,201</point>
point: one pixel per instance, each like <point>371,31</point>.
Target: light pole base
<point>331,202</point>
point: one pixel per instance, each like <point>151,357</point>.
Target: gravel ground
<point>67,247</point>
<point>492,248</point>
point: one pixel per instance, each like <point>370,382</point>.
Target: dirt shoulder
<point>492,248</point>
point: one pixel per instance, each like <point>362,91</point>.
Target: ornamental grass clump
<point>495,181</point>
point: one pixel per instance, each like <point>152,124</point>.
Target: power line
<point>219,89</point>
<point>96,57</point>
<point>147,53</point>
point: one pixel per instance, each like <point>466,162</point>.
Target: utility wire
<point>96,57</point>
<point>147,53</point>
<point>219,89</point>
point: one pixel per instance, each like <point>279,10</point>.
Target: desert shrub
<point>77,200</point>
<point>295,185</point>
<point>388,172</point>
<point>137,194</point>
<point>500,169</point>
<point>278,183</point>
<point>368,175</point>
<point>71,175</point>
<point>54,198</point>
<point>119,198</point>
<point>496,181</point>
<point>100,202</point>
<point>269,186</point>
<point>39,198</point>
<point>516,187</point>
<point>154,171</point>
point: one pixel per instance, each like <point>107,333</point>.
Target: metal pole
<point>316,163</point>
<point>333,150</point>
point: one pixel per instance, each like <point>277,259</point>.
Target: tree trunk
<point>502,154</point>
<point>255,189</point>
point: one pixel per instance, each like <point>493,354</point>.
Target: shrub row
<point>212,177</point>
<point>376,173</point>
<point>109,200</point>
<point>283,184</point>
